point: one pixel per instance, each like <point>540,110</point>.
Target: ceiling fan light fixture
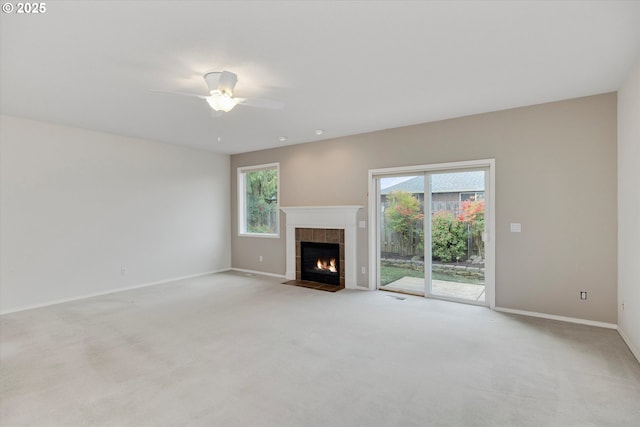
<point>221,101</point>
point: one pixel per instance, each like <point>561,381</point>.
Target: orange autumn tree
<point>404,216</point>
<point>472,213</point>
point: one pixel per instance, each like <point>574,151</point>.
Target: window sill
<point>263,235</point>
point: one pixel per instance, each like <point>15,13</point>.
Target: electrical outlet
<point>123,271</point>
<point>260,258</point>
<point>583,295</point>
<point>622,306</point>
<point>364,270</point>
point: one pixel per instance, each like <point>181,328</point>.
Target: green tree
<point>262,195</point>
<point>405,218</point>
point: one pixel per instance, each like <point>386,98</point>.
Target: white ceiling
<point>343,66</point>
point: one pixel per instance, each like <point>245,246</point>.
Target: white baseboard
<point>560,318</point>
<point>110,291</point>
<point>261,273</point>
<point>627,341</point>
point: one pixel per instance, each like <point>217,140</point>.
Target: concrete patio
<point>415,285</point>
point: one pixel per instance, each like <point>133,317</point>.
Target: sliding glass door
<point>457,211</point>
<point>401,231</point>
<point>432,229</point>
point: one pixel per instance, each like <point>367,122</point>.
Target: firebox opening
<point>320,262</point>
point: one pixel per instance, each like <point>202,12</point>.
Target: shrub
<point>449,237</point>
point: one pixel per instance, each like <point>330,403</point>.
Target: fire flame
<point>322,264</point>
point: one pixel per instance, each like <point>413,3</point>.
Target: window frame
<point>242,199</point>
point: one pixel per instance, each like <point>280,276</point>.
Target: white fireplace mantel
<point>340,217</point>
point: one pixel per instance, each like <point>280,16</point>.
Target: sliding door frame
<point>374,232</point>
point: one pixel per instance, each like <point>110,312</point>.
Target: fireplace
<point>320,255</point>
<point>323,224</point>
<point>320,262</point>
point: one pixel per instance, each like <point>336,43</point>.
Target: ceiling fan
<point>221,99</point>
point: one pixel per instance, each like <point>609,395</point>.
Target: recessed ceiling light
<point>282,138</point>
<point>319,131</point>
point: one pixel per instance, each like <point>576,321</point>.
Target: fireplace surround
<point>330,220</point>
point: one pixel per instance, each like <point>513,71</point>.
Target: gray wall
<point>76,206</point>
<point>555,174</point>
<point>628,208</point>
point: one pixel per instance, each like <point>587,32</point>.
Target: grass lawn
<point>390,274</point>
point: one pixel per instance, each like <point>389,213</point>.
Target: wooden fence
<point>393,243</point>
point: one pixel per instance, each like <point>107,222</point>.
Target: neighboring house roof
<point>442,183</point>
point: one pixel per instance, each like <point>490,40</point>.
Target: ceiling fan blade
<point>173,92</point>
<point>261,103</point>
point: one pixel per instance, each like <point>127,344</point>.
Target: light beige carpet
<point>234,350</point>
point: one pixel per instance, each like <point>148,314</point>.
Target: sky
<point>388,182</point>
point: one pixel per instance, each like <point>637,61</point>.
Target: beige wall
<point>555,174</point>
<point>76,206</point>
<point>628,208</point>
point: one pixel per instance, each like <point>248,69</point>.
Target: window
<point>478,195</point>
<point>258,209</point>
